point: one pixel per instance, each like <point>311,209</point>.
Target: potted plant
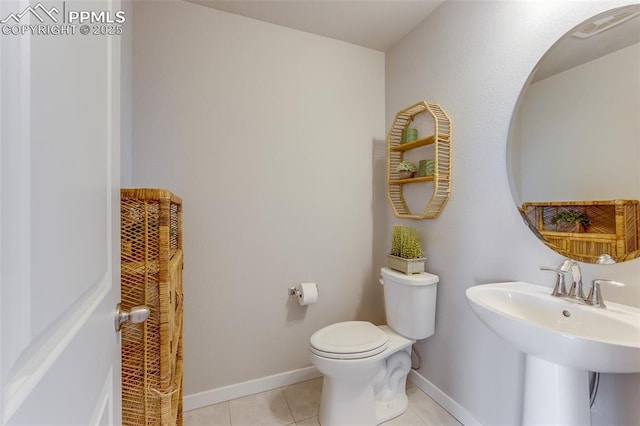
<point>570,221</point>
<point>406,250</point>
<point>406,169</point>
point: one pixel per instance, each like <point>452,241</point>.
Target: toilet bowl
<point>365,367</point>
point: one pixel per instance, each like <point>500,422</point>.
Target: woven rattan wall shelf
<point>151,275</point>
<point>441,178</point>
<point>614,228</point>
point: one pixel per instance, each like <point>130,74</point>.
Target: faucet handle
<point>595,296</point>
<point>559,289</point>
<point>557,271</point>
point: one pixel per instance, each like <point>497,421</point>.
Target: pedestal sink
<point>562,340</point>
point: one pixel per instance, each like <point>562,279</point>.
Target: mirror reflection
<point>574,145</point>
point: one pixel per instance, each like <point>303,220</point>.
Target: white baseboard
<point>455,409</point>
<point>225,393</point>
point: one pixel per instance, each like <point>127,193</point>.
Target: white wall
<point>267,134</point>
<point>473,58</point>
<point>580,131</point>
<point>126,120</point>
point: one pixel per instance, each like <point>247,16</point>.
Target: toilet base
<point>365,392</point>
<point>346,404</point>
<point>388,410</point>
<point>341,405</point>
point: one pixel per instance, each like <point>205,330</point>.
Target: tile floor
<point>298,405</point>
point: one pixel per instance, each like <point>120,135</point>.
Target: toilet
<point>365,367</point>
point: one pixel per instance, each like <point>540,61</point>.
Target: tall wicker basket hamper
<point>151,272</point>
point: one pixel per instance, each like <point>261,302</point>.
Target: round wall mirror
<point>573,155</point>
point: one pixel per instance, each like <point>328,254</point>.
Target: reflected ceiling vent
<point>597,26</point>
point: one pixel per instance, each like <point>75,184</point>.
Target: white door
<point>59,228</point>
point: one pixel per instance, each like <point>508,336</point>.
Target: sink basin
<point>560,330</point>
<point>562,339</point>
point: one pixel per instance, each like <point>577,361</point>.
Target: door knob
<point>134,315</point>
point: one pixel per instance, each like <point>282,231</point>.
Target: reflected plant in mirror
<point>571,220</point>
<point>574,142</point>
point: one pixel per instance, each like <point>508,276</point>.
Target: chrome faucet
<point>605,259</point>
<point>576,292</point>
<point>559,289</point>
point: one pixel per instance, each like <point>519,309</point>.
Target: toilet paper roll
<point>307,293</point>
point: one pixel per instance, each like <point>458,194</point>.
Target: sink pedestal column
<point>555,394</point>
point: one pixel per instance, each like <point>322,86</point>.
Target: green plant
<point>571,216</point>
<point>405,242</point>
<point>406,166</point>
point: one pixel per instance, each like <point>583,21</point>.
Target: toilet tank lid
<point>423,278</point>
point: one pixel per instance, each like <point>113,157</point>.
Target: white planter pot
<point>408,266</point>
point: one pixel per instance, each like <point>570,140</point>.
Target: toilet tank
<point>410,302</point>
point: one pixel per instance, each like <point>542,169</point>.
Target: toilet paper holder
<point>296,291</point>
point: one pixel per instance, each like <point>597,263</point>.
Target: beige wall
<point>267,134</point>
<point>473,58</point>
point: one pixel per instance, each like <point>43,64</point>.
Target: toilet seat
<point>349,340</point>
